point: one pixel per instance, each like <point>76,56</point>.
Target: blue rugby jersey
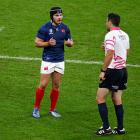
<point>60,33</point>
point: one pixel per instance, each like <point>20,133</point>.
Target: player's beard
<point>57,23</point>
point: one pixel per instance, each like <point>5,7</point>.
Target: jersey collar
<point>54,25</point>
<point>115,28</point>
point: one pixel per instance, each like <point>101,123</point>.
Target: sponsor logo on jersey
<point>50,31</point>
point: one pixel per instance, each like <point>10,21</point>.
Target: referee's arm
<point>107,59</point>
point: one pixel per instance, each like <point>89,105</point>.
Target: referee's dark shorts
<point>115,79</point>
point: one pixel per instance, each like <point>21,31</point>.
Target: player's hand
<point>52,42</point>
<point>69,43</point>
<point>102,76</point>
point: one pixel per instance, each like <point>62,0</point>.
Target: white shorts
<point>49,67</point>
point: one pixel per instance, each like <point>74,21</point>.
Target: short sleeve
<point>41,33</point>
<point>68,34</point>
<point>128,43</point>
<point>109,41</point>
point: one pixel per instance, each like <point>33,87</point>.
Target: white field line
<point>68,61</point>
<point>2,28</point>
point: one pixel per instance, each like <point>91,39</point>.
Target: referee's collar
<point>115,28</point>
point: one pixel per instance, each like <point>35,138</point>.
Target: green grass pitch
<point>19,22</point>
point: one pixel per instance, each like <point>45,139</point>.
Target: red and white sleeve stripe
<point>109,44</point>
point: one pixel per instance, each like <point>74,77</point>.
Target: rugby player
<point>51,37</point>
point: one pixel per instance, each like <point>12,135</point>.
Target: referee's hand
<point>102,76</point>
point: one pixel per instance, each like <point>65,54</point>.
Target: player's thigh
<point>117,97</point>
<point>44,80</point>
<point>102,93</point>
<point>56,79</point>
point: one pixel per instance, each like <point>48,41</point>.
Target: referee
<point>113,76</point>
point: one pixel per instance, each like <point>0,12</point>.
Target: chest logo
<point>50,31</point>
<point>63,30</point>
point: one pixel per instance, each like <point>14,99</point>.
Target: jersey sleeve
<point>128,43</point>
<point>109,41</point>
<point>68,34</point>
<point>41,34</point>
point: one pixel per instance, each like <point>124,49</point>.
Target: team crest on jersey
<point>63,30</point>
<point>50,31</point>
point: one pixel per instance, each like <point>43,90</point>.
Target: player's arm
<point>128,45</point>
<point>69,43</point>
<point>107,61</point>
<point>40,43</point>
<point>68,40</point>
